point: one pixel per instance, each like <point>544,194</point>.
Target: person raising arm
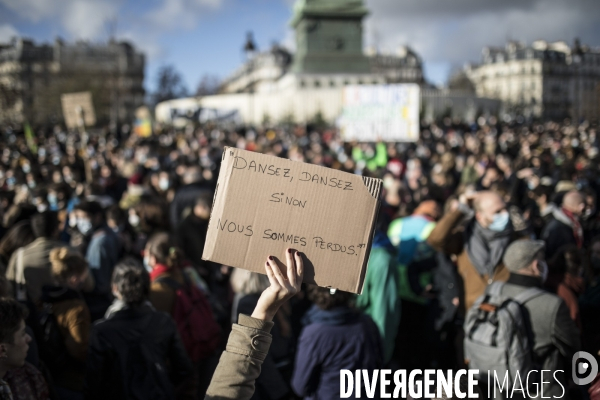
<point>250,338</point>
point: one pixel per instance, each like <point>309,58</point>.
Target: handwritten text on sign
<point>316,242</point>
<point>287,173</point>
<point>227,225</point>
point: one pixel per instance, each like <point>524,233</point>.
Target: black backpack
<point>145,375</point>
<point>52,348</point>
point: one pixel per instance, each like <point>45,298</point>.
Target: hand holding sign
<point>283,287</point>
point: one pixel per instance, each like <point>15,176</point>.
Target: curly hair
<point>132,281</point>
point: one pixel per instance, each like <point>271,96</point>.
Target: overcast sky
<point>206,36</point>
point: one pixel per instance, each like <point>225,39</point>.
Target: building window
<point>302,83</point>
<point>331,83</point>
<point>360,82</point>
<point>317,83</point>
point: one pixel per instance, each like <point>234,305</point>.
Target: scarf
<point>485,247</point>
<point>567,218</point>
<point>158,270</point>
<point>119,305</point>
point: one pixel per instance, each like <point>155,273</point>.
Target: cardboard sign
<point>380,112</point>
<point>265,204</point>
<point>78,109</point>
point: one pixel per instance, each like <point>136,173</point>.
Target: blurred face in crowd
<point>490,211</point>
<point>76,282</point>
<point>14,352</point>
<point>574,202</point>
<point>85,224</point>
<point>133,219</point>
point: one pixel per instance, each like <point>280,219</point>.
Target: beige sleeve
<point>241,362</point>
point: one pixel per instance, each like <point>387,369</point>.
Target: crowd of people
<point>105,293</point>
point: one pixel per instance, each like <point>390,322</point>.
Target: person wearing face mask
<point>565,226</point>
<point>101,253</point>
<point>70,275</point>
<point>554,334</point>
<point>477,236</point>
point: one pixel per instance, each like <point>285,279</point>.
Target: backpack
<point>52,348</point>
<point>194,318</point>
<point>498,341</point>
<point>145,376</point>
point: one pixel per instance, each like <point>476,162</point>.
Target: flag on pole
<point>30,140</point>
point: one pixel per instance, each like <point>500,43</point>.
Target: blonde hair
<point>66,263</point>
<point>246,282</point>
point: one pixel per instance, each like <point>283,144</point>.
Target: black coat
<point>557,234</point>
<point>191,236</point>
<point>129,354</point>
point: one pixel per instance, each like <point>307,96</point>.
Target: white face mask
<point>147,263</point>
<point>163,184</point>
<point>134,220</point>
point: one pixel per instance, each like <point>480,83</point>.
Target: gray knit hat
<point>521,253</point>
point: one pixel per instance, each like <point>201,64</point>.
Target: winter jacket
<point>555,335</point>
<point>36,263</point>
<point>557,234</point>
<point>162,296</point>
<point>448,236</point>
<point>379,298</point>
<point>332,340</point>
<point>127,344</point>
<point>409,236</point>
<point>74,323</point>
<point>102,255</point>
<point>241,362</point>
<point>270,384</point>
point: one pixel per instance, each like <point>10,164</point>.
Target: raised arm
<point>250,338</point>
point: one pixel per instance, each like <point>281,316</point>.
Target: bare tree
<point>170,84</point>
<point>209,84</point>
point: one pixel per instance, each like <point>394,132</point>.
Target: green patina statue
<point>329,36</point>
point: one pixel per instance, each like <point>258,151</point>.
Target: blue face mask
<point>500,221</point>
<point>52,199</point>
<point>84,225</point>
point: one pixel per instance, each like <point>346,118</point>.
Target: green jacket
<point>240,363</point>
<point>379,160</point>
<point>380,299</point>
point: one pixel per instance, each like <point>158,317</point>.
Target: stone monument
<point>329,36</point>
